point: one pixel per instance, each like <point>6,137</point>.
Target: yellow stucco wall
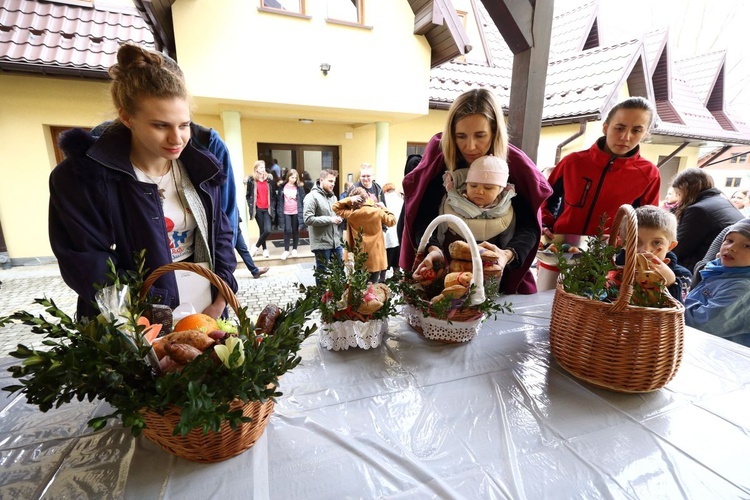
<point>274,58</point>
<point>30,105</point>
<point>266,69</point>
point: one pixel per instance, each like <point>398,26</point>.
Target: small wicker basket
<point>195,445</point>
<point>618,346</point>
<point>465,323</point>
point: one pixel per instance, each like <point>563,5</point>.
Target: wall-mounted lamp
<point>325,68</point>
<point>305,121</point>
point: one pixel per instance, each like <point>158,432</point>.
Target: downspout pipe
<point>581,131</point>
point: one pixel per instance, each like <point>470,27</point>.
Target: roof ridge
<point>597,50</point>
<point>576,9</point>
<point>115,9</point>
<point>702,55</point>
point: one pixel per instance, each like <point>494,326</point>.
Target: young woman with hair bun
<point>142,184</point>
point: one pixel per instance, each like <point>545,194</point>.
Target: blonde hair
<point>473,102</point>
<point>652,217</point>
<point>142,73</point>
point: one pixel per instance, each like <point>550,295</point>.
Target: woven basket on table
<point>465,322</point>
<point>213,446</point>
<point>618,346</point>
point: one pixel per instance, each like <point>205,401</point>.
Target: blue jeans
<point>323,256</point>
<point>244,253</point>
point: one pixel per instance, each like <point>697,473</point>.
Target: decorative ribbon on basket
<point>465,323</point>
<point>195,445</point>
<point>618,346</point>
<point>341,335</point>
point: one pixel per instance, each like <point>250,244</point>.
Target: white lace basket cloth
<point>442,330</point>
<point>341,335</point>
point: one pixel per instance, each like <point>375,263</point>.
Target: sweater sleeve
<point>228,189</point>
<point>525,238</point>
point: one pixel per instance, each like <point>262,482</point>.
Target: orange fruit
<point>197,321</point>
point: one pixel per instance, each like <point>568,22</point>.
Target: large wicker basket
<point>618,346</point>
<point>195,445</point>
<point>465,323</point>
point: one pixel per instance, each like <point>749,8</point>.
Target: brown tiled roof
<point>702,72</point>
<point>580,84</point>
<point>451,79</point>
<point>51,38</point>
<point>655,42</point>
<point>584,83</point>
<point>570,29</point>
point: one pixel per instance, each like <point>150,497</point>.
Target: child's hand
<point>661,267</point>
<point>448,181</point>
<point>431,268</point>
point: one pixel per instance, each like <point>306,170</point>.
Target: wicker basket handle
<point>627,222</point>
<point>215,280</point>
<point>476,262</point>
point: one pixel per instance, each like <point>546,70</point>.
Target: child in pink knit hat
<point>481,197</point>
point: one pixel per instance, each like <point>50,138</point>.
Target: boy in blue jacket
<point>719,303</point>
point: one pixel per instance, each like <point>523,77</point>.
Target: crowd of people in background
<point>698,238</point>
<point>695,234</point>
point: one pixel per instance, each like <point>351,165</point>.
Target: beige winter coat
<point>370,219</point>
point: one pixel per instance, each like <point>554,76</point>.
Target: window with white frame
<point>292,6</point>
<point>742,158</point>
<point>733,182</point>
<point>350,11</point>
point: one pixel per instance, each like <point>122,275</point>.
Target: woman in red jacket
<point>589,184</point>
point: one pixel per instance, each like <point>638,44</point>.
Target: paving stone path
<point>21,285</point>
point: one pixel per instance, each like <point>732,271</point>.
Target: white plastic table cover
<point>493,418</point>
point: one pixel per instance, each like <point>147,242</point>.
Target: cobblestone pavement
<point>21,285</point>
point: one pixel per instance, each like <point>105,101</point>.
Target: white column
<point>233,139</point>
<point>381,152</point>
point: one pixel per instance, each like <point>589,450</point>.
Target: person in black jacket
<point>702,213</point>
<point>142,184</point>
<point>261,201</point>
<point>366,181</point>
